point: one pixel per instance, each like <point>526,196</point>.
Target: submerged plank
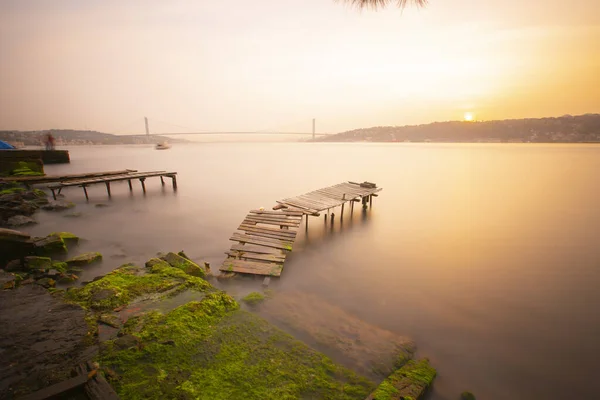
<point>258,257</point>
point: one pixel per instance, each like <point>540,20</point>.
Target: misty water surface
<point>487,256</point>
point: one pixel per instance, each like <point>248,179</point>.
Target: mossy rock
<point>110,320</point>
<point>409,382</point>
<point>127,282</point>
<point>69,238</point>
<point>467,396</point>
<point>60,266</point>
<point>254,298</point>
<point>84,259</point>
<point>50,245</point>
<point>37,263</point>
<point>12,190</point>
<point>212,350</point>
<point>187,266</point>
<point>67,278</point>
<point>156,261</point>
<point>46,282</point>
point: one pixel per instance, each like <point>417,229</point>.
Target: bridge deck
<point>267,236</point>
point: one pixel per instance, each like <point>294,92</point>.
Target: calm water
<point>488,256</point>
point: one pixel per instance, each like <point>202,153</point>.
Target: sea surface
<point>486,255</point>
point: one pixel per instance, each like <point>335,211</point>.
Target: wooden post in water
<point>108,188</point>
<point>306,221</point>
<point>85,192</point>
<point>174,178</point>
<point>371,200</point>
<point>130,187</point>
<point>332,218</point>
<point>143,184</point>
<point>162,181</point>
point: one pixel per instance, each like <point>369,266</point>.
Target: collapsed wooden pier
<point>267,237</point>
<point>107,179</point>
<point>34,180</point>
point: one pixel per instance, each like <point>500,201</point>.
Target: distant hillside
<point>74,137</point>
<point>565,129</point>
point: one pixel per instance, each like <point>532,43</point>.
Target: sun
<point>469,116</point>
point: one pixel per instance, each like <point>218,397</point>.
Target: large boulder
<point>20,220</point>
<point>84,259</point>
<point>14,245</point>
<point>50,245</point>
<point>187,266</point>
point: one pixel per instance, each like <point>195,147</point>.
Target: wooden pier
<point>129,176</point>
<point>267,237</point>
<point>34,180</point>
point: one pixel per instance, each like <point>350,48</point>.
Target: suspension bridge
<point>192,131</point>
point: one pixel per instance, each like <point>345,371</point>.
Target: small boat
<point>163,146</point>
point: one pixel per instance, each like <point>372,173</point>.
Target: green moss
<point>467,396</point>
<point>254,298</point>
<point>12,190</point>
<point>27,168</point>
<point>409,382</point>
<point>40,193</point>
<point>211,350</point>
<point>59,266</point>
<point>124,284</point>
<point>50,245</point>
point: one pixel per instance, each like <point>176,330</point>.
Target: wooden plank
<point>288,232</point>
<point>268,235</point>
<point>57,389</point>
<point>250,267</point>
<point>294,204</point>
<point>270,222</point>
<point>283,212</point>
<point>264,238</point>
<point>113,178</point>
<point>249,248</point>
<point>277,217</point>
<point>98,388</point>
<point>258,257</point>
<point>261,242</point>
<point>274,232</point>
<point>313,202</point>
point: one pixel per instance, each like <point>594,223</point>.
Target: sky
<point>273,65</point>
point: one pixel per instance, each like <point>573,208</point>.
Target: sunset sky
<point>272,64</point>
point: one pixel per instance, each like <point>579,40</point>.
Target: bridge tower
<point>147,128</point>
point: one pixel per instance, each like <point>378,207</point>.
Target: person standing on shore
<point>49,142</point>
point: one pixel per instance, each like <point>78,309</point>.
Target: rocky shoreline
<point>165,331</point>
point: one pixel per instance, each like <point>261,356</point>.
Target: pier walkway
<point>267,237</point>
<point>107,179</point>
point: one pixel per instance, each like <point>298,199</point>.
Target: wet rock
<point>467,396</point>
<point>60,266</point>
<point>58,205</point>
<point>14,265</point>
<point>50,245</point>
<point>12,236</point>
<point>182,254</point>
<point>67,278</point>
<point>184,264</point>
<point>84,259</point>
<point>20,220</point>
<point>126,342</point>
<point>53,273</point>
<point>73,215</point>
<point>110,320</point>
<point>46,282</point>
<point>101,205</point>
<point>7,280</point>
<point>37,263</point>
<point>27,281</point>
<point>67,237</point>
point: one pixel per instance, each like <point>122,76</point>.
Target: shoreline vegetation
<point>163,330</point>
<point>565,129</point>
